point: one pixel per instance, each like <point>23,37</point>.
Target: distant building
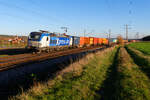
<point>147,38</point>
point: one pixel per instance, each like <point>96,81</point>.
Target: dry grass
<point>124,58</point>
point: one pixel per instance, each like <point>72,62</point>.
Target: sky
<point>94,17</point>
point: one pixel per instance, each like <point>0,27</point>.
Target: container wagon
<point>75,41</point>
<point>104,41</point>
<point>95,41</point>
<point>84,41</point>
<point>91,41</point>
<point>100,41</point>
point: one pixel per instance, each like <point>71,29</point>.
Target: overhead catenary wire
<point>30,11</point>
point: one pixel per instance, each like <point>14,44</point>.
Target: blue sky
<point>96,16</point>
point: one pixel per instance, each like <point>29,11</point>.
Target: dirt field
<point>12,41</point>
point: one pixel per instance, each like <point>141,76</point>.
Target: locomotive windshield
<point>35,36</point>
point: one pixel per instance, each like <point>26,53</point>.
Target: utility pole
<point>127,32</point>
<point>84,32</point>
<point>137,35</point>
<point>109,34</point>
<point>65,29</point>
<point>92,32</point>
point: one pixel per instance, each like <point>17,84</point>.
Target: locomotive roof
<point>36,33</point>
<point>51,34</point>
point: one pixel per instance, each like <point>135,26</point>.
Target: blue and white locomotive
<point>49,41</point>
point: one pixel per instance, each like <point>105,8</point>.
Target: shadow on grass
<point>107,92</point>
<point>22,78</point>
<point>140,61</point>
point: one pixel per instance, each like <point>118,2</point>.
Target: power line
<point>130,5</point>
<point>137,35</point>
<point>13,16</point>
<point>65,29</point>
<point>8,5</point>
<point>84,32</point>
<point>109,34</point>
<point>126,32</point>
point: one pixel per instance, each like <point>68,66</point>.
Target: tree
<point>120,40</point>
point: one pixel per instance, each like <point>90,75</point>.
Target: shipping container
<point>84,41</point>
<point>95,41</point>
<point>75,41</point>
<point>91,40</point>
<point>100,41</point>
<point>105,41</point>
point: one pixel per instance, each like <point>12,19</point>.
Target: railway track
<point>14,60</point>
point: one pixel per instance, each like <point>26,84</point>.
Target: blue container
<point>76,40</point>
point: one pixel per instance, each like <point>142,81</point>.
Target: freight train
<point>45,41</point>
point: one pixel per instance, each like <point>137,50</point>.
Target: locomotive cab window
<point>35,36</point>
<point>47,39</point>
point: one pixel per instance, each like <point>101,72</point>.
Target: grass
<point>140,59</point>
<point>80,81</point>
<point>112,74</point>
<point>132,83</point>
<point>141,46</point>
<point>108,87</point>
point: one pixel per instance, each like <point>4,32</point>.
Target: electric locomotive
<point>45,41</point>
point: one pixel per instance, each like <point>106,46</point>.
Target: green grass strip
<point>140,59</point>
<point>132,83</point>
<point>141,46</point>
<point>79,87</point>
